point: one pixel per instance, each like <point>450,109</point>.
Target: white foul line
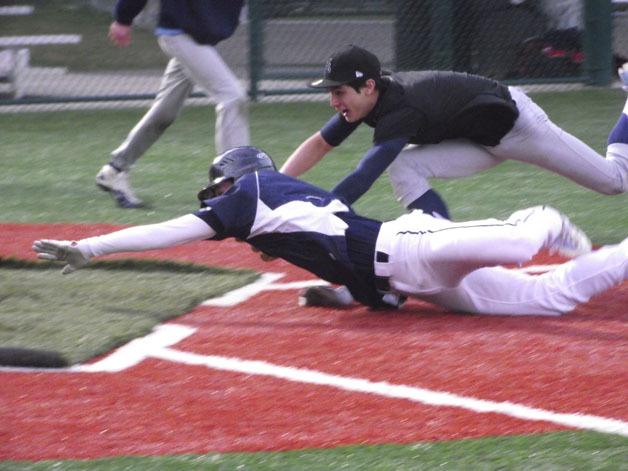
<point>266,282</point>
<point>156,345</point>
<point>138,350</point>
<point>233,298</point>
<point>398,391</point>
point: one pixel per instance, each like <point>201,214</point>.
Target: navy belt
<point>382,283</point>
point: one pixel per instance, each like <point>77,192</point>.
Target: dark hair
<point>359,83</point>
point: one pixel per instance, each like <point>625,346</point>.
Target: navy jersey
<point>207,21</point>
<point>305,225</point>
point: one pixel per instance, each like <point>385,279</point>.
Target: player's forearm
<point>372,165</point>
<point>177,231</point>
<point>306,156</point>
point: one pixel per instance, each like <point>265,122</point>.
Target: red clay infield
<point>572,364</point>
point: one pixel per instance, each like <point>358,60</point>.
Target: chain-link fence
<point>54,50</point>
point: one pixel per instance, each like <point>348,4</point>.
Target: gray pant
<point>190,63</point>
<point>534,139</point>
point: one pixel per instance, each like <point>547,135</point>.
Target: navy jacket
<point>206,21</point>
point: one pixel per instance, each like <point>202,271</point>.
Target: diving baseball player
<point>455,265</point>
<point>434,124</point>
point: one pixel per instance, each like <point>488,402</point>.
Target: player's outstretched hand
<point>61,251</point>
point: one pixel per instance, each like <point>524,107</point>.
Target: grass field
<point>49,161</point>
<point>94,53</point>
<point>55,313</point>
<point>586,451</point>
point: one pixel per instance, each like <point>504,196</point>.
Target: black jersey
<point>424,108</point>
<point>428,107</point>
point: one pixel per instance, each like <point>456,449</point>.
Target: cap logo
<point>328,66</point>
<point>358,74</point>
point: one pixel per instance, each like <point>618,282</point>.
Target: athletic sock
<point>430,202</point>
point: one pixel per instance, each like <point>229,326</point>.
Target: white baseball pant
<point>191,63</point>
<point>458,265</point>
<point>534,139</point>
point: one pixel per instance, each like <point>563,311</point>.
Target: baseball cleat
<point>623,76</point>
<point>571,241</point>
<point>325,296</point>
<point>117,183</point>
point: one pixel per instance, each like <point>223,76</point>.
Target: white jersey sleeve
<point>177,231</point>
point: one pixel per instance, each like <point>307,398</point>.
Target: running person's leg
<point>174,89</point>
<point>114,176</point>
<point>209,71</point>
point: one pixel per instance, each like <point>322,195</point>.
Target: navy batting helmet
<point>234,163</point>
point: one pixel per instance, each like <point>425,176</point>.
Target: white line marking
<point>239,295</point>
<point>155,345</point>
<point>138,350</point>
<point>19,41</point>
<point>127,356</point>
<point>17,10</point>
<point>414,394</point>
<point>265,283</point>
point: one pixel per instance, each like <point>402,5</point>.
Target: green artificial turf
<point>95,52</point>
<point>50,160</point>
<point>102,306</point>
<point>565,451</point>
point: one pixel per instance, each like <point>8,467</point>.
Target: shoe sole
<point>119,197</point>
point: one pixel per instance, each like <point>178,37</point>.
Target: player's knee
<point>236,106</point>
<point>523,250</point>
<point>162,117</point>
<point>408,185</point>
<point>236,97</point>
<point>401,171</point>
<point>165,122</point>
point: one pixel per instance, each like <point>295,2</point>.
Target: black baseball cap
<point>348,64</point>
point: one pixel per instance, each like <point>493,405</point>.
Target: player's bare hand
<point>120,34</point>
<point>61,251</point>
